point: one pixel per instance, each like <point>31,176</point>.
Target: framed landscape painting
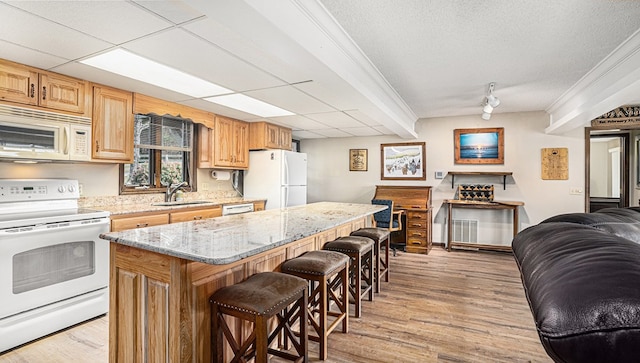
<point>479,146</point>
<point>403,161</point>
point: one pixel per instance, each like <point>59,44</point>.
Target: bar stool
<point>258,299</point>
<point>360,252</point>
<point>327,274</point>
<point>380,237</point>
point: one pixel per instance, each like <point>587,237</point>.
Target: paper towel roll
<point>220,174</point>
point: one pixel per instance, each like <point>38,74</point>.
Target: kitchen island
<point>161,277</point>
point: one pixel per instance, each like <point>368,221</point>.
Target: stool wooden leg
<point>323,318</point>
<point>345,297</point>
<point>261,333</point>
<point>386,258</point>
<point>376,249</point>
<point>356,267</point>
<point>370,271</point>
<point>216,335</point>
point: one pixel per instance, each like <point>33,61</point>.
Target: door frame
<point>625,185</point>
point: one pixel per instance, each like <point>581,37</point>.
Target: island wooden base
<point>159,305</point>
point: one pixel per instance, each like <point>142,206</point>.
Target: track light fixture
<point>489,102</point>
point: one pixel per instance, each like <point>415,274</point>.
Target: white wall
<point>330,179</point>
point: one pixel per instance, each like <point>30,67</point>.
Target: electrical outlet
<point>204,186</point>
<point>80,189</point>
<point>575,190</point>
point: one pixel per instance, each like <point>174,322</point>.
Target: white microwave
<point>40,135</point>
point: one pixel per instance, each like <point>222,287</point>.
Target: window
<point>162,154</point>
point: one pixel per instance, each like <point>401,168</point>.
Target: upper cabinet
<point>112,125</point>
<point>264,135</point>
<point>231,143</point>
<point>226,146</point>
<point>34,87</point>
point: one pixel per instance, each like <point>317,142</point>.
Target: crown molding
<point>613,82</point>
<point>312,27</point>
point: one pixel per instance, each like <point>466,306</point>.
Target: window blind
<point>163,133</point>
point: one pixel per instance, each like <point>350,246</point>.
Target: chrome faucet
<point>172,189</point>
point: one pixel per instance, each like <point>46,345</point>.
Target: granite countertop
<point>118,209</point>
<point>227,239</point>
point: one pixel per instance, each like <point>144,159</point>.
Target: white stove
<point>54,269</point>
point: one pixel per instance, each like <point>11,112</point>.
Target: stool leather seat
<point>261,294</point>
<point>372,232</point>
<point>350,244</point>
<point>316,263</point>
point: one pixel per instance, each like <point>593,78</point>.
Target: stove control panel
<point>20,190</point>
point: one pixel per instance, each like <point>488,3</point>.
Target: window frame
<point>155,163</point>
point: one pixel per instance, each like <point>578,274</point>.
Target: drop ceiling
<point>351,67</point>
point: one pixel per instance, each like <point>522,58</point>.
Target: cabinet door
<point>285,138</point>
<point>195,215</point>
<point>112,124</point>
<point>62,93</point>
<point>241,146</point>
<point>223,142</point>
<point>272,137</point>
<point>18,84</point>
<point>205,147</point>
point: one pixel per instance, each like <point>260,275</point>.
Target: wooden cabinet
<point>35,87</point>
<point>112,126</point>
<point>119,223</point>
<point>263,135</point>
<point>416,202</point>
<point>195,215</point>
<point>258,206</point>
<point>205,147</point>
<point>226,146</point>
<point>148,219</point>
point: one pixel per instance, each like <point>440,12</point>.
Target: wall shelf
<point>503,174</point>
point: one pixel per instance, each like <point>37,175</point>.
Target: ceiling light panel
<point>249,105</point>
<point>200,58</point>
<point>133,66</point>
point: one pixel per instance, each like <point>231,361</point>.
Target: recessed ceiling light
<point>127,64</point>
<point>250,105</point>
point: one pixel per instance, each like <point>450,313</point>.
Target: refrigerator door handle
<point>285,169</point>
<point>285,202</point>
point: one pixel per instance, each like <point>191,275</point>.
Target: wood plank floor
<point>444,307</point>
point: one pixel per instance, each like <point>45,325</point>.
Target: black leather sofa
<point>581,276</point>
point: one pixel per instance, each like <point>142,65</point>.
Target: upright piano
<point>416,202</point>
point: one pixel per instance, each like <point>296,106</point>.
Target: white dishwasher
<point>230,209</point>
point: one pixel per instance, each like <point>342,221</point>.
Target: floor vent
<point>465,230</point>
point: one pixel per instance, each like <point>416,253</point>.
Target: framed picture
<point>358,160</point>
<point>403,161</point>
<point>479,146</point>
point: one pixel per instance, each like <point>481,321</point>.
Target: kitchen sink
<point>181,202</point>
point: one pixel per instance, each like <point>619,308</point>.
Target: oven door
<point>43,264</point>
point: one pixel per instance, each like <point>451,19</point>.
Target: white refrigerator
<point>280,176</point>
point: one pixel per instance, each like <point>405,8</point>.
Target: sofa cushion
<point>583,287</point>
<point>623,222</point>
